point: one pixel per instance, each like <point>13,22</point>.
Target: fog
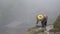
<point>18,15</point>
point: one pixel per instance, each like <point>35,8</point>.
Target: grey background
<point>18,15</point>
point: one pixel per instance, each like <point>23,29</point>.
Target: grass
<point>34,30</point>
<point>57,23</point>
<point>56,28</point>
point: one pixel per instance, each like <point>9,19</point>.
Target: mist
<point>19,15</point>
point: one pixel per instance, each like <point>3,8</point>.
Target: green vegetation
<point>57,23</point>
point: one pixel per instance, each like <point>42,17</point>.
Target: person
<point>43,19</point>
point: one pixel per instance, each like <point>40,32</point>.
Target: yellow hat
<point>40,17</point>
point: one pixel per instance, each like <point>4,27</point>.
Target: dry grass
<point>34,30</point>
<point>57,23</point>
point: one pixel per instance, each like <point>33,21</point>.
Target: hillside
<point>35,30</point>
<point>57,23</point>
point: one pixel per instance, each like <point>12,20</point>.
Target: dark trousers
<point>43,23</point>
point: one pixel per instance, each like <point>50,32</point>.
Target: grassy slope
<point>57,23</point>
<point>56,26</point>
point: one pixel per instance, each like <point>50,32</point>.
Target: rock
<point>39,30</point>
<point>35,30</point>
